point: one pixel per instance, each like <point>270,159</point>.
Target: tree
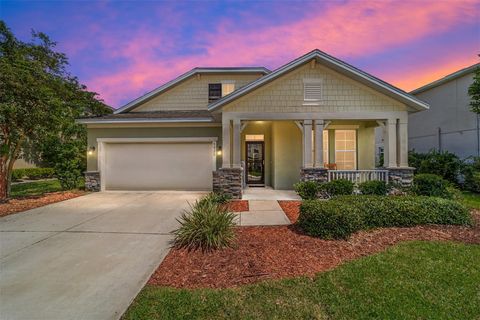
<point>39,101</point>
<point>474,92</point>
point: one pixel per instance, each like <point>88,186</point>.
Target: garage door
<point>158,166</point>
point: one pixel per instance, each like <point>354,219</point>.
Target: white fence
<point>358,176</point>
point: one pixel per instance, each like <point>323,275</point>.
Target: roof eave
<point>143,120</point>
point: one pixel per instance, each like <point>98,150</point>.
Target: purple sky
<point>122,49</point>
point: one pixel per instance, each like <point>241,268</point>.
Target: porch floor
<point>268,193</point>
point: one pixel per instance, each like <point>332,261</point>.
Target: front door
<point>255,162</point>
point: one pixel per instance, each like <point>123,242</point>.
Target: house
<point>223,129</point>
<point>449,124</point>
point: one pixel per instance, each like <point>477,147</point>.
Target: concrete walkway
<point>84,258</point>
<point>263,213</point>
<point>267,193</point>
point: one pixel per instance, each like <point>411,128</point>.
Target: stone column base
<point>92,181</point>
<point>402,176</point>
<point>229,181</point>
<point>314,174</point>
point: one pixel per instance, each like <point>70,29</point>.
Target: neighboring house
<point>223,128</point>
<point>21,163</point>
<point>449,124</point>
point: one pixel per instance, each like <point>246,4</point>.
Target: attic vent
<point>312,90</point>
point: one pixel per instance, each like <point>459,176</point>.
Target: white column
<point>319,143</point>
<point>307,144</point>
<point>225,143</point>
<point>390,150</point>
<point>403,141</point>
<point>236,150</point>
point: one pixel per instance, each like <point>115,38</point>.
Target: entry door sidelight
<point>255,162</point>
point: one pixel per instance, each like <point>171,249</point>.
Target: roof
<point>157,116</point>
<point>186,75</point>
<point>335,64</point>
<point>450,77</point>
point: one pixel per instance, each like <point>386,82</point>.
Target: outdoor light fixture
<point>219,152</point>
<point>91,150</point>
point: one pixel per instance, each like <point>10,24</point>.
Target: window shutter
<point>313,91</point>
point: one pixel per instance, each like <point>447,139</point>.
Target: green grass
<point>416,280</point>
<point>36,188</point>
<point>471,200</point>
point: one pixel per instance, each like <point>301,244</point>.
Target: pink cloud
<point>354,29</point>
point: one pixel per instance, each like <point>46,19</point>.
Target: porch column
<point>307,144</point>
<point>225,143</point>
<point>319,144</point>
<point>237,163</point>
<point>390,149</point>
<point>403,141</point>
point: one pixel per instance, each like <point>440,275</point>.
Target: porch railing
<point>358,176</point>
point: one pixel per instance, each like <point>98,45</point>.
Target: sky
<point>123,49</point>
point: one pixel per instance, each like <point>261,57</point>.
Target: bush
<point>206,226</point>
<point>216,198</point>
<point>471,174</point>
<point>430,185</point>
<point>338,187</point>
<point>339,217</point>
<point>445,164</point>
<point>68,174</point>
<point>307,190</point>
<point>32,173</point>
<point>373,187</point>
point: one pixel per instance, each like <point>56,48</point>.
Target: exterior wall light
<point>219,151</point>
<point>91,150</point>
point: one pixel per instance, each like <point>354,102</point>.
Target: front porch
<point>276,153</point>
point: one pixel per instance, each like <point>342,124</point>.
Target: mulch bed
<point>281,252</point>
<point>26,203</point>
<point>291,209</point>
<point>238,205</point>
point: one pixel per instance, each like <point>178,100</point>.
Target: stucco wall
<point>287,154</point>
<point>157,132</point>
<point>449,111</point>
<point>192,94</point>
<point>340,94</point>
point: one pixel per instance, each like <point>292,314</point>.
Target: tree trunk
<point>3,179</point>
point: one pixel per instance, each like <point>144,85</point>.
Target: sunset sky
<point>122,49</point>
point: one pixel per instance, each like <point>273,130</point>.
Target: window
<point>214,91</point>
<point>254,137</point>
<point>227,87</point>
<point>312,90</point>
<point>346,149</point>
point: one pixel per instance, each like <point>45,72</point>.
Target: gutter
<point>141,120</point>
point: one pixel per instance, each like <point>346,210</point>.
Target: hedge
<point>341,216</point>
<point>432,185</point>
<point>32,173</point>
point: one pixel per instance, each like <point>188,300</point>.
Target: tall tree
<point>39,99</point>
<point>474,92</point>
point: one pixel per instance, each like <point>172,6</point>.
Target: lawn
<point>414,280</point>
<point>471,200</point>
<point>36,188</point>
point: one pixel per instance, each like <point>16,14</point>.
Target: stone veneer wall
<point>229,181</point>
<point>402,176</point>
<point>92,181</point>
<point>314,174</point>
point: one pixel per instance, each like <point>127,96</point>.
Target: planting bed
<point>238,205</point>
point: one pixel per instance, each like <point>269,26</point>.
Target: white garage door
<point>158,166</point>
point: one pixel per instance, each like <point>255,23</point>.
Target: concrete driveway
<point>84,258</point>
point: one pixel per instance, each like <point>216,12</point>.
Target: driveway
<point>84,258</point>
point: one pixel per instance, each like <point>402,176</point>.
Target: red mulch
<point>291,209</point>
<point>280,252</point>
<point>26,203</point>
<point>238,205</point>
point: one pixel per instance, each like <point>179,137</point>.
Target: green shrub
<point>338,187</point>
<point>307,190</point>
<point>445,164</point>
<point>68,174</point>
<point>18,174</point>
<point>471,174</point>
<point>339,217</point>
<point>32,173</point>
<point>374,187</point>
<point>430,185</point>
<point>216,198</point>
<point>206,226</point>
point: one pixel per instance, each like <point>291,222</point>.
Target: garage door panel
<point>158,166</point>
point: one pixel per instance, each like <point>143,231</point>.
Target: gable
<point>192,94</point>
<point>338,94</point>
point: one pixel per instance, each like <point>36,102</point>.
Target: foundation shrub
<point>431,185</point>
<point>373,187</point>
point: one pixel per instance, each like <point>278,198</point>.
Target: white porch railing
<point>358,176</point>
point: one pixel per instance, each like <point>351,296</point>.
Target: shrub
<point>373,187</point>
<point>445,164</point>
<point>307,190</point>
<point>18,174</point>
<point>206,226</point>
<point>32,173</point>
<point>216,198</point>
<point>471,174</point>
<point>339,217</point>
<point>338,187</point>
<point>68,174</point>
<point>430,185</point>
